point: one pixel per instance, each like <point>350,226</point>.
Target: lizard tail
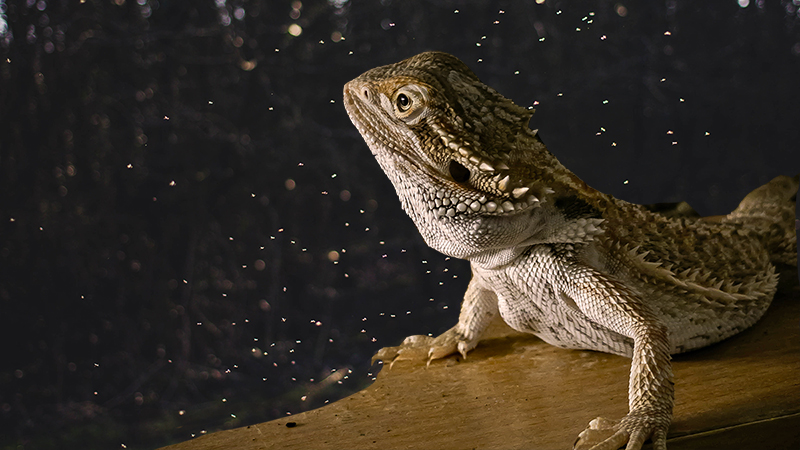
<point>770,209</point>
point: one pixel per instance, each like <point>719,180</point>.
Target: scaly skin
<point>554,257</point>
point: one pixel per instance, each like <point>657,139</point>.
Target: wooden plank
<point>518,392</point>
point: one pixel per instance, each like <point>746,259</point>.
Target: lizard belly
<point>529,302</point>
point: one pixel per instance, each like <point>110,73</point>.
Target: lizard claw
<point>599,430</point>
<point>413,348</point>
<point>426,348</point>
<point>633,430</point>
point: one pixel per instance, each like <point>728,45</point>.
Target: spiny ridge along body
<point>554,257</point>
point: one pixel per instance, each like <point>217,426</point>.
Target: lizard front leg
<point>609,302</point>
<point>477,311</point>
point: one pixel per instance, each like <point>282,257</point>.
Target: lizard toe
<point>417,348</point>
<point>601,434</point>
<point>631,432</point>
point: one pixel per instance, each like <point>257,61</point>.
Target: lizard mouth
<point>457,181</point>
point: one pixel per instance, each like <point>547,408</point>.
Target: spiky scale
<point>645,285</point>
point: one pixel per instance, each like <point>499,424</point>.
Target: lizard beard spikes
<point>451,128</point>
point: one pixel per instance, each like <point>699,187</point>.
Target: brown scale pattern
<point>551,255</point>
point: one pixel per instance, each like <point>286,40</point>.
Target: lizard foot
<point>421,348</point>
<point>633,430</point>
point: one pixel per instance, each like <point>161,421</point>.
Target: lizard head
<point>464,162</point>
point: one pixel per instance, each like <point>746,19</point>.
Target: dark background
<point>194,237</point>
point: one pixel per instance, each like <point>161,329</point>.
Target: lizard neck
<point>493,241</point>
<point>478,183</point>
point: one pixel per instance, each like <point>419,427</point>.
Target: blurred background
<point>194,237</point>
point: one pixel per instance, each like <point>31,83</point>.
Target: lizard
<point>554,257</point>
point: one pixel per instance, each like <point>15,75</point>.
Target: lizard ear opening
<point>459,173</point>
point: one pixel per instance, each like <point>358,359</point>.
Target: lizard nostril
<point>365,94</point>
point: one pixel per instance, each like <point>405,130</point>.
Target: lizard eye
<point>403,102</point>
<point>409,103</point>
<point>459,173</point>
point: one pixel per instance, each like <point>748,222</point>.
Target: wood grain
<point>516,391</point>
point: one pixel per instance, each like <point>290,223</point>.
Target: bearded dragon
<point>578,268</point>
